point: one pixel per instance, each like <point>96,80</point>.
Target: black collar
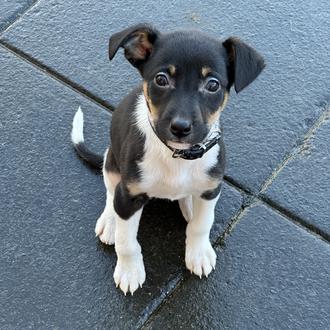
<point>197,150</point>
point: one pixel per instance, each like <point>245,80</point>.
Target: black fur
<point>95,160</point>
<point>245,64</point>
<point>218,170</point>
<point>125,204</point>
<point>127,142</point>
<point>211,194</point>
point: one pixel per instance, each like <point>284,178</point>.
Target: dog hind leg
<point>105,225</point>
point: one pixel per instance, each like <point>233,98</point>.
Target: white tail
<point>77,133</point>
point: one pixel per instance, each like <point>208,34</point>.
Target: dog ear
<point>137,41</point>
<point>245,63</point>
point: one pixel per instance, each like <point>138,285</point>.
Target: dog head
<point>187,77</point>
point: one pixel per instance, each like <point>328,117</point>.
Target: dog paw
<point>200,258</point>
<point>105,229</point>
<point>129,273</point>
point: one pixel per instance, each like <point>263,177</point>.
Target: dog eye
<point>212,85</point>
<point>161,80</point>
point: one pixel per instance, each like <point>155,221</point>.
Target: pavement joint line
<point>19,17</point>
<point>235,219</point>
<point>298,221</point>
<point>221,240</point>
<point>57,76</point>
<point>290,216</point>
<point>235,184</point>
<point>154,307</point>
<point>299,149</point>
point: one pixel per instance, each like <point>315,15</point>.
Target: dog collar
<point>197,150</point>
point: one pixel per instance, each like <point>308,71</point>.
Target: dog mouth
<point>178,145</point>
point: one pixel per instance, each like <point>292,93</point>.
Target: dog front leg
<point>200,257</point>
<point>129,272</point>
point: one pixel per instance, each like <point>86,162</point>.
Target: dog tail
<point>77,137</point>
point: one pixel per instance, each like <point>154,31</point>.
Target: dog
<point>166,140</point>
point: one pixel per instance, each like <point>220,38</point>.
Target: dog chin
<point>178,145</point>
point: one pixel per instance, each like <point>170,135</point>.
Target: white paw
<point>105,228</point>
<point>129,273</point>
<point>200,257</point>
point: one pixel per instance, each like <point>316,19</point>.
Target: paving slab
<point>10,10</point>
<point>303,186</point>
<point>262,123</point>
<point>271,274</point>
<point>54,273</point>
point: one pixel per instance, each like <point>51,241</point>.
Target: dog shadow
<point>162,238</point>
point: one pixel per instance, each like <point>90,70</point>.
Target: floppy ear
<point>245,63</point>
<point>137,41</point>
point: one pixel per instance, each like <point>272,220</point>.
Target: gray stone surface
<point>262,123</point>
<point>303,186</point>
<point>10,10</point>
<point>270,275</point>
<point>54,273</point>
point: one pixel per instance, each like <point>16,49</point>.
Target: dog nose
<point>180,127</point>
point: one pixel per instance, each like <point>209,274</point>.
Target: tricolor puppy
<point>166,140</point>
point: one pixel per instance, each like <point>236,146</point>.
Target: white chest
<point>165,177</point>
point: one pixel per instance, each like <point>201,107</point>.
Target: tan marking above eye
<point>205,71</point>
<point>172,69</point>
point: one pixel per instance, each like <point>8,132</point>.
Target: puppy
<point>166,140</point>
